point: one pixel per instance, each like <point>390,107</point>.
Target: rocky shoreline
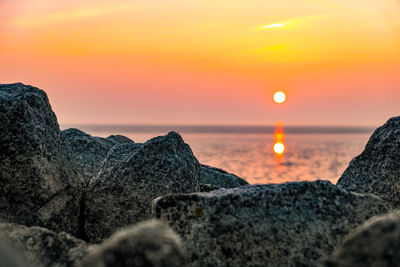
<point>72,199</point>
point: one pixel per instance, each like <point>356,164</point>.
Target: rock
<point>39,183</point>
<point>208,187</point>
<point>220,178</point>
<point>121,193</point>
<point>146,244</point>
<point>39,246</point>
<point>119,139</point>
<point>118,154</point>
<point>89,152</point>
<point>375,243</point>
<point>10,257</point>
<point>377,169</point>
<point>292,224</point>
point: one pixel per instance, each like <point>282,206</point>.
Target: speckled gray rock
<point>39,246</point>
<point>208,187</point>
<point>90,151</point>
<point>119,139</point>
<point>377,169</point>
<point>292,224</point>
<point>121,193</point>
<point>220,178</point>
<point>39,184</point>
<point>375,243</point>
<point>117,155</point>
<point>146,244</point>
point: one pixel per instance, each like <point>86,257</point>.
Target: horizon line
<point>213,125</point>
<point>217,129</point>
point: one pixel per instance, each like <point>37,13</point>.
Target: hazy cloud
<point>71,15</point>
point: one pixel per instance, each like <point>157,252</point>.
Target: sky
<point>213,62</point>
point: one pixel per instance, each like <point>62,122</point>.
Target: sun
<point>279,148</point>
<point>279,97</point>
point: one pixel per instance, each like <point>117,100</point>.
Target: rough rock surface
<point>121,193</point>
<point>9,256</point>
<point>89,151</point>
<point>39,246</point>
<point>118,154</point>
<point>39,184</point>
<point>147,244</point>
<point>377,169</point>
<point>119,139</point>
<point>220,178</point>
<point>208,187</point>
<point>292,224</point>
<point>375,243</point>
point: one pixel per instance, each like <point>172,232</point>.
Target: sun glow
<point>279,97</point>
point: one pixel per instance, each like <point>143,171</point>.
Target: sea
<point>310,153</point>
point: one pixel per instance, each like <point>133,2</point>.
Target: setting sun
<point>279,97</point>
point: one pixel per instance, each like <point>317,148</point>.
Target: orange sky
<point>207,62</point>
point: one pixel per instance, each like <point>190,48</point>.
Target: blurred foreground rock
<point>292,224</point>
<point>146,244</point>
<point>39,184</point>
<point>121,193</point>
<point>38,246</point>
<point>377,169</point>
<point>89,151</point>
<point>375,243</point>
<point>9,256</point>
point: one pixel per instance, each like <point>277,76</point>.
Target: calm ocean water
<point>311,153</point>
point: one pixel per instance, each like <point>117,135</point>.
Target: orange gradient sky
<point>207,62</point>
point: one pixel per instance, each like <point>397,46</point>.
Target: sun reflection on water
<point>279,144</point>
